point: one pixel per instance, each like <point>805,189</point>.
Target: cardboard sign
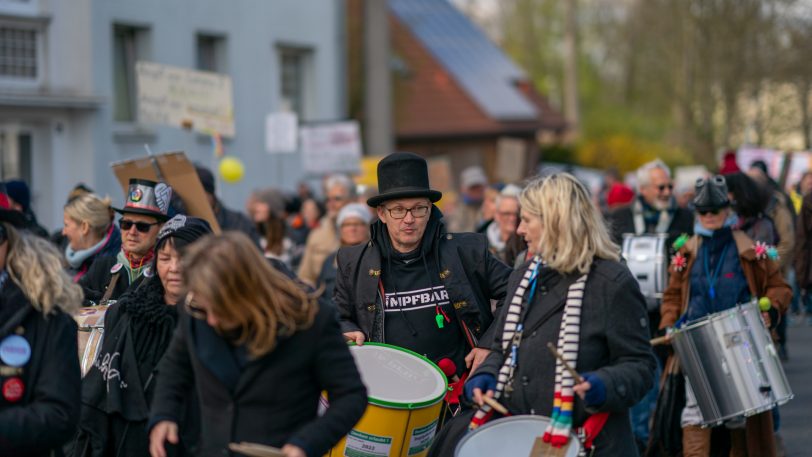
<point>184,98</point>
<point>175,170</point>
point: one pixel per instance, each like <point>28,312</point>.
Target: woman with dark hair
<point>749,200</point>
<point>118,389</point>
<point>259,349</point>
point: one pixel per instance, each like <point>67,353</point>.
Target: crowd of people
<point>211,339</point>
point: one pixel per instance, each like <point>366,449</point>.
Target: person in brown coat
<point>803,257</point>
<point>696,289</point>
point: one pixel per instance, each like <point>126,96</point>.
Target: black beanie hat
<point>711,193</point>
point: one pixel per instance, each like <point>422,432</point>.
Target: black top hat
<point>403,175</point>
<point>7,214</point>
<point>711,193</point>
<point>148,198</point>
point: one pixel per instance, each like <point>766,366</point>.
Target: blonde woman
<point>259,350</point>
<point>573,290</point>
<point>39,370</point>
<point>89,231</point>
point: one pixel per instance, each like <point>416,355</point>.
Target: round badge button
<point>13,389</point>
<point>15,351</point>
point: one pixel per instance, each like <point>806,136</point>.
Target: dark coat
<point>614,344</point>
<point>272,400</point>
<point>469,272</point>
<point>803,244</point>
<point>621,220</point>
<point>94,283</point>
<point>115,408</point>
<point>45,418</point>
<point>234,220</point>
<point>327,277</point>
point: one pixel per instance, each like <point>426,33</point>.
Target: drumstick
<point>566,364</point>
<point>495,405</point>
<point>660,340</point>
<point>255,450</point>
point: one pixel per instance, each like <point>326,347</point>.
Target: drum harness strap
<point>109,292</point>
<point>558,432</point>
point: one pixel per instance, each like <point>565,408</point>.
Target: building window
<point>211,53</point>
<point>129,46</point>
<point>24,7</point>
<point>18,52</point>
<point>293,80</point>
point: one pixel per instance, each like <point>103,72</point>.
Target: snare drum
<point>731,364</point>
<point>645,255</point>
<point>91,332</point>
<point>511,436</point>
<point>406,394</point>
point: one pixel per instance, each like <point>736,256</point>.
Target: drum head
<point>398,378</point>
<point>509,437</point>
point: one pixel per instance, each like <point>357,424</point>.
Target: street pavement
<point>796,416</point>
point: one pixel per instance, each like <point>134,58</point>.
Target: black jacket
<point>272,400</point>
<point>621,221</point>
<point>94,283</point>
<point>234,220</point>
<point>117,391</point>
<point>614,343</point>
<point>45,418</point>
<point>470,273</point>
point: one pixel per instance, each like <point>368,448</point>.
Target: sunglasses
<point>663,187</point>
<point>709,211</point>
<point>142,227</point>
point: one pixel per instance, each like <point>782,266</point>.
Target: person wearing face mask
<point>141,218</point>
<point>655,209</point>
<point>715,270</point>
<point>118,389</point>
<point>90,233</point>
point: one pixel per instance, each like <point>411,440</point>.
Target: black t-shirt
<point>412,304</point>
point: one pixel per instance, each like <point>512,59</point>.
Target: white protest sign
<point>331,147</point>
<point>185,98</point>
<point>280,132</point>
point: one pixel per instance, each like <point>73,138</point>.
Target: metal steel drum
<point>511,437</point>
<point>731,364</point>
<point>646,256</point>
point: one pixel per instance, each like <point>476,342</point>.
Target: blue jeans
<point>641,412</point>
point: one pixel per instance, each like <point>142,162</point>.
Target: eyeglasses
<point>336,198</point>
<point>193,309</point>
<point>142,227</point>
<point>663,187</point>
<point>399,212</point>
<point>709,211</point>
<point>353,225</point>
<point>507,214</point>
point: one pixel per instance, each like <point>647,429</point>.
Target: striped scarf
<point>558,432</point>
<point>511,339</point>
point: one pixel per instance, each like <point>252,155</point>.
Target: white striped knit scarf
<point>568,338</point>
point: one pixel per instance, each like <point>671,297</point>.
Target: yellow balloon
<point>231,169</point>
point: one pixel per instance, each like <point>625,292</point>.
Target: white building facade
<point>68,102</point>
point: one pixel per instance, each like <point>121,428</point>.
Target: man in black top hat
<point>142,216</point>
<point>413,284</point>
